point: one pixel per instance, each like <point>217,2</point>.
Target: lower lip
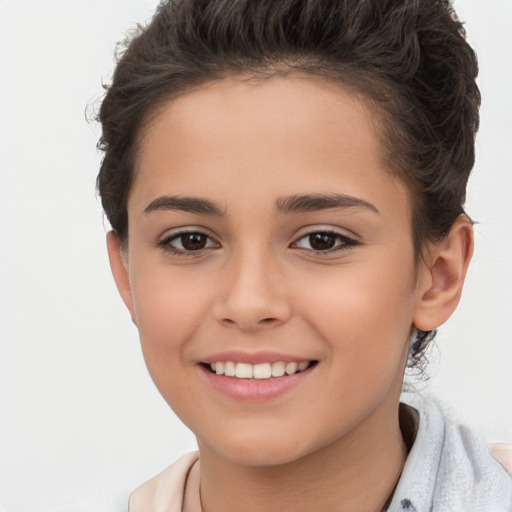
<point>254,390</point>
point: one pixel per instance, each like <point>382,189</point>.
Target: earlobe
<point>119,267</point>
<point>440,284</point>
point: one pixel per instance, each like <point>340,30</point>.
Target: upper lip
<point>258,357</point>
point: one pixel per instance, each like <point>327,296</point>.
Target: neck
<point>355,473</point>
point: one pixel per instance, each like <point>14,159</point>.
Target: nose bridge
<point>252,294</point>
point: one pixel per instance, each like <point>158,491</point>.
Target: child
<point>285,184</point>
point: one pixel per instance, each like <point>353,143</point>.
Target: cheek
<point>363,313</point>
<point>365,330</point>
<point>167,320</point>
<point>169,309</point>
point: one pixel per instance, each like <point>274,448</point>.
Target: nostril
<point>250,323</point>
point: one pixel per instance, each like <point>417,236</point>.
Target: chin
<point>260,458</point>
<point>259,449</point>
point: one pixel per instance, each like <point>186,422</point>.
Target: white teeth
<point>258,371</point>
<point>229,369</point>
<point>277,369</point>
<point>262,371</point>
<point>291,368</point>
<point>243,371</point>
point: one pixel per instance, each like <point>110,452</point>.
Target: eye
<point>325,241</point>
<point>186,242</point>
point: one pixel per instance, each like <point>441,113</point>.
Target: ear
<point>119,267</point>
<point>442,276</point>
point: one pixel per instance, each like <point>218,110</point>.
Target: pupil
<point>321,241</point>
<point>193,241</point>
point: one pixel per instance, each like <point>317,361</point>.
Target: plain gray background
<point>79,416</point>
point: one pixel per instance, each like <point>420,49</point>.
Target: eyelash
<point>165,244</point>
<point>345,243</point>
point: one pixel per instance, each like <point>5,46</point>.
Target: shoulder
<point>503,454</point>
<point>164,492</point>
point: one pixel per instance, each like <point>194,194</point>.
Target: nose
<point>251,293</point>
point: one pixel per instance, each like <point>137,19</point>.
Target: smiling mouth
<point>260,371</point>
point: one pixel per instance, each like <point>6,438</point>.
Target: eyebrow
<point>290,204</point>
<point>316,202</point>
<point>196,205</point>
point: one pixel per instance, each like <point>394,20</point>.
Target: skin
<point>260,284</point>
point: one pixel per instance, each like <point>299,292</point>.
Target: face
<point>268,240</point>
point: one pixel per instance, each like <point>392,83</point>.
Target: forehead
<point>304,106</point>
<point>292,134</point>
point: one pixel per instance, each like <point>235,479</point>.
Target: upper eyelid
<point>309,230</point>
<point>176,232</point>
<point>333,233</point>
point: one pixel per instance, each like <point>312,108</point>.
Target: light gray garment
<point>449,469</point>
